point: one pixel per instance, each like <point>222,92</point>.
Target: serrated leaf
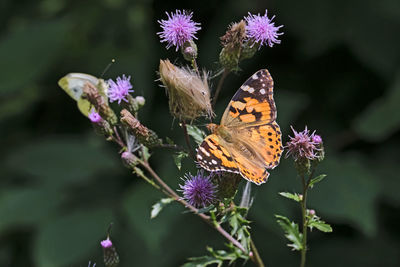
<point>295,196</point>
<point>202,261</point>
<point>291,232</point>
<point>196,133</point>
<point>157,208</point>
<point>320,225</point>
<point>178,158</point>
<point>317,179</point>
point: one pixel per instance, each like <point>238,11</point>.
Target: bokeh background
<point>336,71</point>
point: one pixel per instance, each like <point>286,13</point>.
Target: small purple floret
<point>106,243</point>
<point>94,116</point>
<point>178,29</point>
<point>198,190</point>
<point>303,145</point>
<point>261,30</point>
<point>118,91</point>
<point>317,139</point>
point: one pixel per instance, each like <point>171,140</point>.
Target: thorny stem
<point>219,86</point>
<point>187,139</point>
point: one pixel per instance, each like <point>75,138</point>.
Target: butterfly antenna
<point>107,67</point>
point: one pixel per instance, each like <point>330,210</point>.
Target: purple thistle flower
<point>317,139</point>
<point>178,29</point>
<point>118,91</point>
<point>303,145</point>
<point>198,190</point>
<point>94,116</point>
<point>261,29</point>
<point>106,243</point>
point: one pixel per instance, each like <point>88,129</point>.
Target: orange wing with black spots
<point>253,103</point>
<point>248,141</point>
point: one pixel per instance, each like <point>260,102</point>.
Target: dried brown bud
<point>234,36</point>
<point>91,93</point>
<point>144,135</point>
<point>189,94</point>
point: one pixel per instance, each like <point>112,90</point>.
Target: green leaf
<point>203,261</point>
<point>291,232</point>
<point>197,134</point>
<point>169,140</point>
<point>317,179</point>
<point>296,197</point>
<point>178,158</point>
<point>383,112</point>
<point>320,225</point>
<point>145,153</point>
<point>156,208</point>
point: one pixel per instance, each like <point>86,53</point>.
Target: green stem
<point>256,256</point>
<point>304,216</point>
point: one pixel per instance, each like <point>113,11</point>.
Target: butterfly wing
<point>212,155</point>
<point>253,103</point>
<point>73,84</point>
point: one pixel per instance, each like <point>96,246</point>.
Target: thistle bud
<point>227,184</point>
<point>189,94</point>
<point>134,103</point>
<point>101,127</point>
<point>232,43</point>
<point>189,50</point>
<point>129,159</point>
<point>144,135</point>
<point>111,258</point>
<point>98,101</point>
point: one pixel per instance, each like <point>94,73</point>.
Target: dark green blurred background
<point>336,71</point>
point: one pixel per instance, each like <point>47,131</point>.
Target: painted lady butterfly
<point>248,140</point>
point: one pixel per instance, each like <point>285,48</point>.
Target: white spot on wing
<point>214,162</point>
<point>255,77</point>
<point>251,90</point>
<point>204,151</point>
<point>262,91</point>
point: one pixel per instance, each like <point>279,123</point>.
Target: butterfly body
<point>248,140</point>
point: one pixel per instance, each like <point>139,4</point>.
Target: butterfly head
<point>212,127</point>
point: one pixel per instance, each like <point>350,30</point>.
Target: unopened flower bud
<point>101,127</point>
<point>232,43</point>
<point>227,184</point>
<point>311,212</point>
<point>144,135</point>
<point>189,50</point>
<point>111,258</point>
<point>300,196</point>
<point>129,159</point>
<point>134,104</point>
<point>189,94</point>
<point>97,100</point>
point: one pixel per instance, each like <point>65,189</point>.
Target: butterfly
<point>73,84</point>
<point>248,140</point>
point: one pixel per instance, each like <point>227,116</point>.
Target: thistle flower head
<point>178,29</point>
<point>94,116</point>
<point>261,30</point>
<point>303,145</point>
<point>189,94</point>
<point>118,91</point>
<point>198,190</point>
<point>110,255</point>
